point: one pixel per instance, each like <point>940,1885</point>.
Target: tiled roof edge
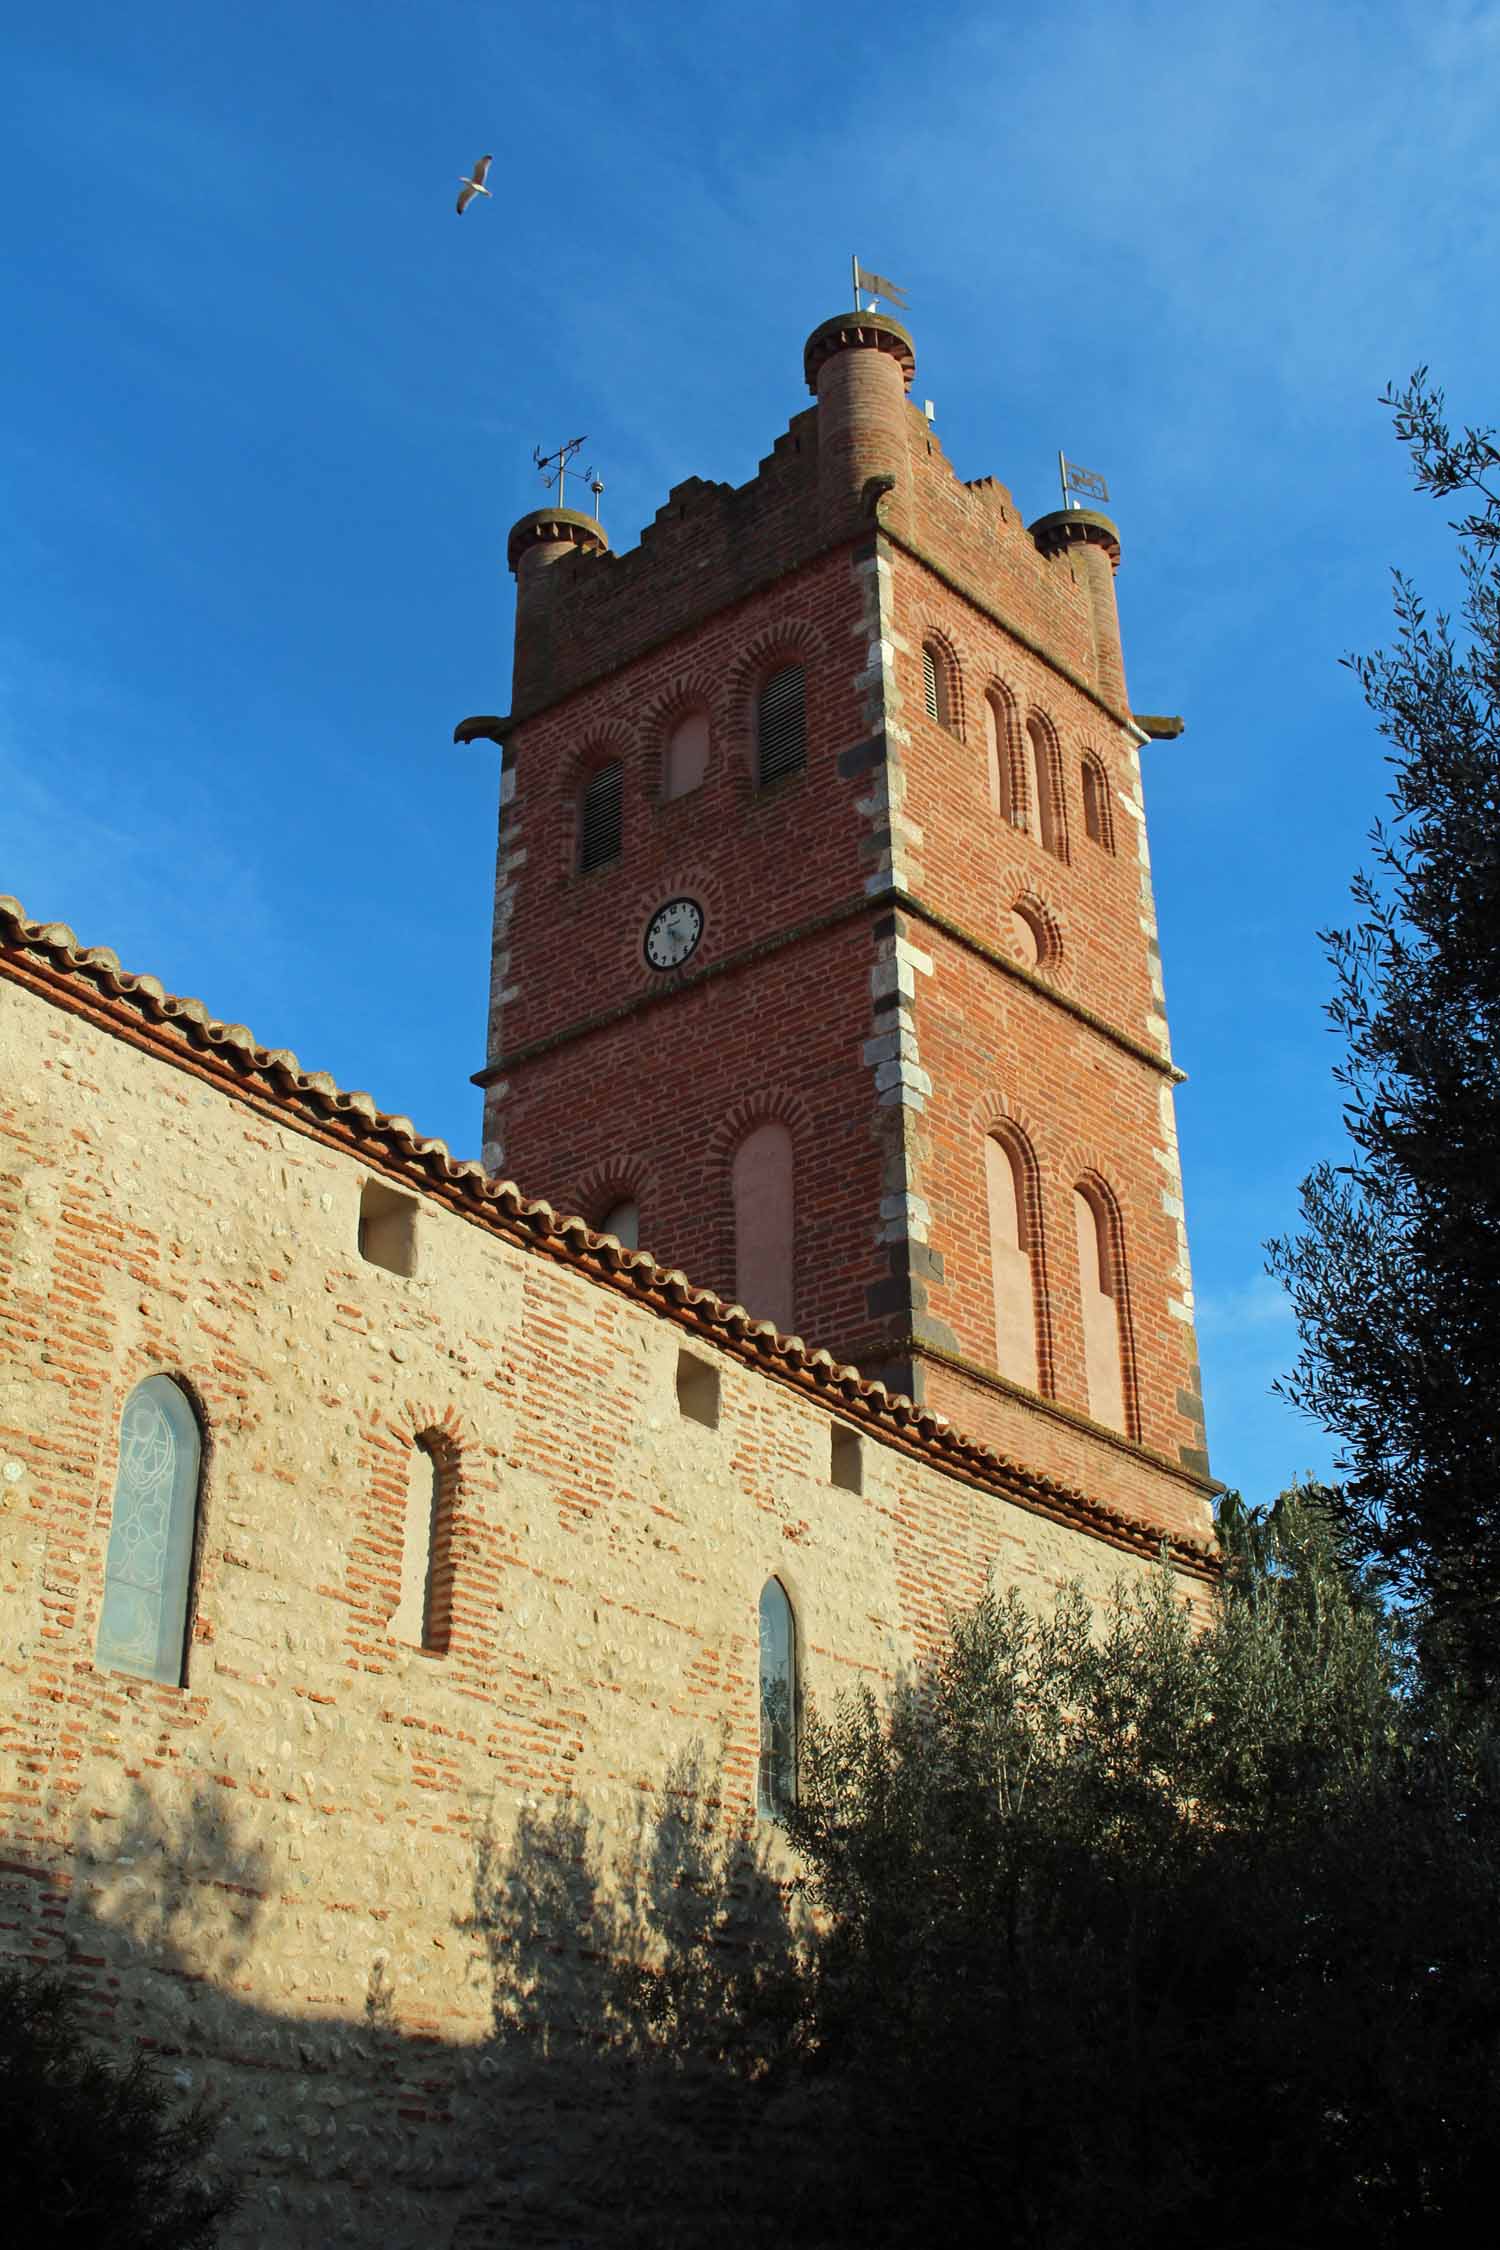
<point>47,957</point>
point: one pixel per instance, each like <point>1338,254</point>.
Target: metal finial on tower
<point>874,286</point>
<point>1074,479</point>
<point>562,455</point>
<point>596,486</point>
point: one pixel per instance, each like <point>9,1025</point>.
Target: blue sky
<point>271,407</point>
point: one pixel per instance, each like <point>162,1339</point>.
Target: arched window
<point>1041,783</point>
<point>997,757</point>
<point>684,760</point>
<point>937,684</point>
<point>421,1616</point>
<point>776,1774</point>
<point>1103,1328</point>
<point>781,726</point>
<point>1098,824</point>
<point>623,1221</point>
<point>764,1220</point>
<point>148,1570</point>
<point>601,810</point>
<point>1011,1261</point>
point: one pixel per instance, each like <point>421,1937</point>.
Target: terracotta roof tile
<point>89,981</point>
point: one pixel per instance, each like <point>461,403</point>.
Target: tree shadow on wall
<point>639,1988</point>
<point>335,2122</point>
<point>640,1980</point>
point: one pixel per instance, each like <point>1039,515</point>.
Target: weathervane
<point>874,286</point>
<point>1075,479</point>
<point>563,456</point>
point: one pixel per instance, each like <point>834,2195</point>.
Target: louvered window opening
<point>782,734</point>
<point>930,684</point>
<point>599,825</point>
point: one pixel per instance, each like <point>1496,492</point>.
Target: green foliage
<point>92,2155</point>
<point>1150,1927</point>
<point>1395,1276</point>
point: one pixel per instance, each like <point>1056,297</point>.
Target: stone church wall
<point>350,1888</point>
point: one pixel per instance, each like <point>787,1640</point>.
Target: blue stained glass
<point>143,1618</point>
<point>776,1780</point>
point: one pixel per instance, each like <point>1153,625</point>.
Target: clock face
<point>673,932</point>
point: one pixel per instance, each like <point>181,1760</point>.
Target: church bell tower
<point>825,956</point>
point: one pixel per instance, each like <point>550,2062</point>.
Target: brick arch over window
<point>767,653</point>
<point>942,680</point>
<point>603,1188</point>
<point>1005,767</point>
<point>429,1507</point>
<point>755,1152</point>
<point>1104,1287</point>
<point>1098,809</point>
<point>696,693</point>
<point>1046,795</point>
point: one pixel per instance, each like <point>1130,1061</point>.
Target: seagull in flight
<point>474,186</point>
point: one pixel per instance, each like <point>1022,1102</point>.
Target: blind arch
<point>997,737</point>
<point>684,761</point>
<point>1047,822</point>
<point>1100,1282</point>
<point>1012,1267</point>
<point>762,1191</point>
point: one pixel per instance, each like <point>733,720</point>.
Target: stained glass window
<point>148,1569</point>
<point>776,1783</point>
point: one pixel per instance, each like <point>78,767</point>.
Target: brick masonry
<point>858,970</point>
<point>294,1878</point>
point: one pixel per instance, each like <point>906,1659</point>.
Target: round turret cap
<point>1073,527</point>
<point>551,527</point>
<point>862,331</point>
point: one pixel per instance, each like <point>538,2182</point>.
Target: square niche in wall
<point>388,1228</point>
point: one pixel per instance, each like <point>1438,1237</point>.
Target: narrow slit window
<point>601,817</point>
<point>930,685</point>
<point>781,726</point>
<point>1096,809</point>
<point>143,1619</point>
<point>776,1778</point>
<point>421,1615</point>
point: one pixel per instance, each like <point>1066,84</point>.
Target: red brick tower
<point>824,933</point>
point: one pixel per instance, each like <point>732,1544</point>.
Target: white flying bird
<point>474,186</point>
